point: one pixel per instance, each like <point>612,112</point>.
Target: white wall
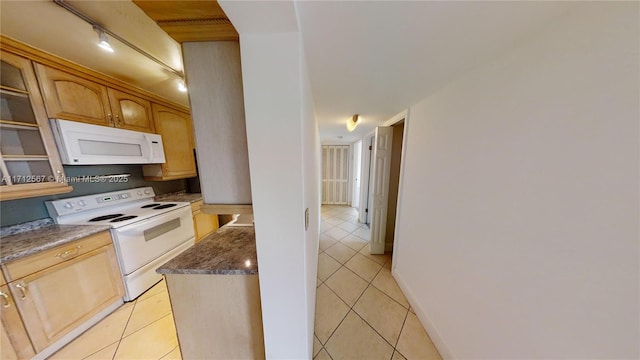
<point>284,153</point>
<point>311,178</point>
<point>518,228</point>
<point>283,158</point>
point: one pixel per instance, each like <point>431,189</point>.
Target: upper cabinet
<point>29,162</point>
<point>177,137</point>
<point>130,112</point>
<point>71,97</point>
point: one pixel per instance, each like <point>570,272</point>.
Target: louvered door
<point>335,174</point>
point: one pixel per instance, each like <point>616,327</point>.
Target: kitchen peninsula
<point>215,296</point>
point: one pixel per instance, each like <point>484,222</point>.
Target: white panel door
<point>335,174</point>
<point>380,187</point>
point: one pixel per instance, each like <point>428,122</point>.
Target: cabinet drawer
<point>57,255</point>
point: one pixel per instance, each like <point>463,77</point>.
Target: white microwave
<point>87,144</point>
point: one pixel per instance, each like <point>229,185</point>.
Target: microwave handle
<point>150,146</point>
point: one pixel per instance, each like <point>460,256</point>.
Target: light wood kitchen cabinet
<point>130,112</point>
<point>29,161</point>
<point>14,341</point>
<point>55,300</point>
<point>177,137</point>
<point>71,97</point>
<point>204,224</point>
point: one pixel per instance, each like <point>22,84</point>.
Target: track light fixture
<point>353,122</point>
<point>182,86</point>
<point>103,41</point>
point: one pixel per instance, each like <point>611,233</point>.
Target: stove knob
<point>139,192</point>
<point>68,205</point>
<point>82,203</point>
<point>124,196</point>
<point>147,192</point>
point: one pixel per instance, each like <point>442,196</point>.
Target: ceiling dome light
<point>103,41</point>
<point>353,122</point>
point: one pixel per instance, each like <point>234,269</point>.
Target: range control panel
<point>57,208</point>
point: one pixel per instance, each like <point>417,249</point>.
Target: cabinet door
<point>177,138</point>
<point>71,97</point>
<point>29,161</point>
<point>14,342</point>
<point>130,112</point>
<point>204,224</point>
<point>56,300</point>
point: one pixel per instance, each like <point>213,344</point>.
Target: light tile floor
<point>361,313</point>
<point>141,329</point>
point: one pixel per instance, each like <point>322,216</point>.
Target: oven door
<point>140,243</point>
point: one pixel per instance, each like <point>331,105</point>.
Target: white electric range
<point>145,233</point>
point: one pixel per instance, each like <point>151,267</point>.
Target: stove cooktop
<point>116,209</point>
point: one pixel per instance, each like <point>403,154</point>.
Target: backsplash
<point>23,210</point>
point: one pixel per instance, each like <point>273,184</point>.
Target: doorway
<point>394,184</point>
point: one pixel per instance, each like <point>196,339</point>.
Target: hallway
<point>360,310</point>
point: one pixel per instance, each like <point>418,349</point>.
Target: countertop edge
<point>81,232</point>
<point>230,250</point>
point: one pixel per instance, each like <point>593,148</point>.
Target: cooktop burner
<point>124,218</point>
<point>105,217</point>
<point>148,206</point>
<point>164,206</point>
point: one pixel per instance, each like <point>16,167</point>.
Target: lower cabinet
<point>14,341</point>
<point>65,287</point>
<point>204,224</point>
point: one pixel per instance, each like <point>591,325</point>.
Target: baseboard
<point>437,340</point>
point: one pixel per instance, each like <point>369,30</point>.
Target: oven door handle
<point>153,232</point>
<point>159,230</point>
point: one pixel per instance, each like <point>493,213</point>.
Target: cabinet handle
<point>23,291</point>
<point>5,303</point>
<point>65,254</point>
<point>118,121</point>
<point>110,117</point>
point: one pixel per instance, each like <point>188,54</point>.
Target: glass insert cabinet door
<point>29,162</point>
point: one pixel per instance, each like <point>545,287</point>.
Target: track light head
<point>103,41</point>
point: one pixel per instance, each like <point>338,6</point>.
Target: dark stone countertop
<point>179,197</point>
<point>16,246</point>
<point>230,250</point>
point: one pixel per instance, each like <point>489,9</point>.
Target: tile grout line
<point>351,308</point>
<point>135,302</point>
<point>406,316</point>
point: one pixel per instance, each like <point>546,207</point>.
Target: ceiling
<point>47,26</point>
<point>377,58</point>
<point>373,58</point>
